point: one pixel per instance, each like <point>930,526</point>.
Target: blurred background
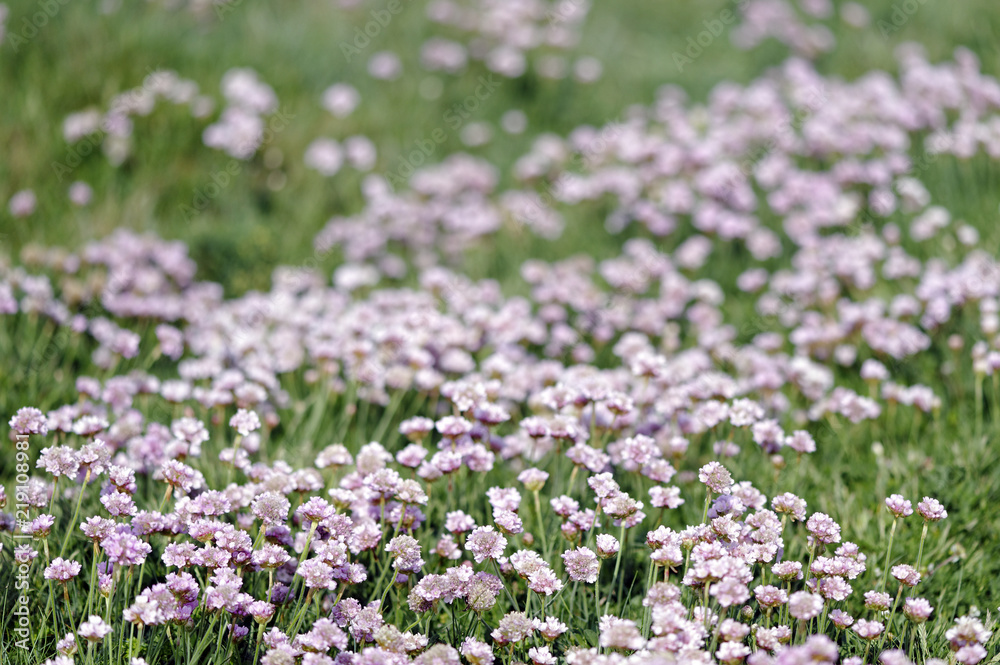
<point>64,64</point>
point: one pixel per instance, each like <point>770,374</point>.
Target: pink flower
<point>868,630</point>
<point>94,629</point>
<point>899,506</point>
<point>485,543</point>
<point>931,510</point>
<point>804,605</point>
<point>716,477</point>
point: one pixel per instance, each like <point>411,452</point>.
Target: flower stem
<point>541,527</point>
<point>888,554</point>
<point>618,560</point>
<point>76,514</point>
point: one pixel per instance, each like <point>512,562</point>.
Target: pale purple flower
<point>533,479</point>
<point>917,609</point>
<point>906,575</point>
<point>271,508</point>
<point>62,570</point>
<point>245,421</point>
<point>458,522</point>
<point>804,605</point>
<point>477,652</point>
<point>29,420</point>
<point>877,600</point>
<point>841,619</point>
<point>94,629</point>
<point>868,630</point>
<point>508,522</point>
<point>582,565</point>
<point>899,506</point>
<point>315,510</point>
<point>119,504</point>
<point>801,442</point>
<point>791,505</point>
<point>544,582</point>
<point>823,529</point>
<point>716,477</point>
<point>607,545</point>
<point>485,543</point>
<point>931,510</point>
<point>59,461</point>
<point>551,628</point>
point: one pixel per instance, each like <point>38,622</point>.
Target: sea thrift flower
<point>967,631</point>
<point>508,522</point>
<point>94,629</point>
<point>618,633</point>
<point>551,628</point>
<point>841,619</point>
<point>124,549</point>
<point>868,630</point>
<point>59,461</point>
<point>62,570</point>
<point>787,570</point>
<point>541,656</point>
<point>244,422</point>
<point>906,575</point>
<point>485,543</point>
<point>917,609</point>
<point>119,504</point>
<point>878,601</point>
<point>405,551</point>
<point>607,545</point>
<point>544,582</point>
<point>899,506</point>
<point>477,652</point>
<point>513,628</point>
<point>665,497</point>
<point>801,442</point>
<point>823,529</point>
<point>804,605</point>
<point>533,479</point>
<point>29,420</point>
<point>582,565</point>
<point>40,526</point>
<point>67,645</point>
<point>458,522</point>
<point>791,505</point>
<point>716,477</point>
<point>770,596</point>
<point>315,510</point>
<point>271,508</point>
<point>931,510</point>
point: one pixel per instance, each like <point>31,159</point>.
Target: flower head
<point>899,506</point>
<point>94,629</point>
<point>931,510</point>
<point>716,477</point>
<point>485,543</point>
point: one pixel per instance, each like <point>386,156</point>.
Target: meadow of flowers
<point>482,342</point>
